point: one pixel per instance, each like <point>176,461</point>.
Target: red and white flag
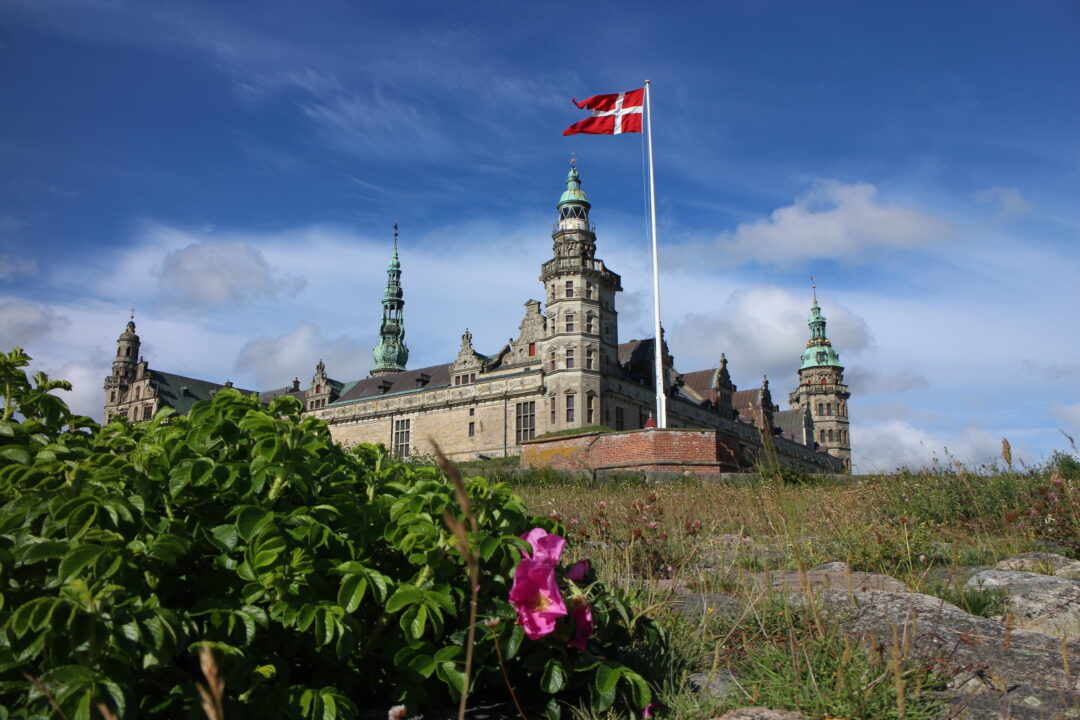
<point>612,114</point>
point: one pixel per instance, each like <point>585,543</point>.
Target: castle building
<point>822,392</point>
<point>565,371</point>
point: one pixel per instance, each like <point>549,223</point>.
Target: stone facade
<point>565,371</point>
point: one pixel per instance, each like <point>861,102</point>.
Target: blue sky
<point>234,169</point>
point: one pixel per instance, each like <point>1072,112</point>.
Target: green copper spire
<point>819,349</point>
<point>574,193</point>
<point>391,354</point>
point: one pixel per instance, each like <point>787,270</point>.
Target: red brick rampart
<point>700,451</point>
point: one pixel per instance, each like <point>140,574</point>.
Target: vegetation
<point>575,431</point>
<point>323,580</point>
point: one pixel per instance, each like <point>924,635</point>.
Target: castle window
<point>589,289</point>
<point>552,410</point>
<point>830,436</point>
<point>590,324</point>
<point>551,361</point>
<point>569,358</point>
<point>569,408</point>
<point>822,436</point>
<point>620,420</point>
<point>820,409</point>
<point>118,351</point>
<point>472,377</point>
<point>589,358</point>
<point>112,396</point>
<point>472,412</point>
<point>569,322</point>
<point>147,410</point>
<point>590,409</point>
<point>401,437</point>
<point>525,421</point>
<point>457,379</point>
<point>318,389</point>
<point>828,409</point>
<point>138,392</point>
<point>127,352</point>
<point>472,429</point>
<point>569,288</point>
<point>532,349</point>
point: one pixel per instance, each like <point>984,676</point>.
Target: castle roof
<point>790,423</point>
<point>180,393</point>
<point>395,382</point>
<point>700,381</point>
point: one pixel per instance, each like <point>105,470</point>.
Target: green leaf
<point>351,592</point>
<point>511,642</point>
<point>607,677</point>
<point>640,694</point>
<point>76,560</point>
<point>423,664</point>
<point>305,617</point>
<point>449,673</point>
<point>554,678</point>
<point>226,535</point>
<point>553,710</point>
<point>413,621</point>
<point>405,595</point>
<point>447,653</point>
<point>15,453</point>
<point>251,520</point>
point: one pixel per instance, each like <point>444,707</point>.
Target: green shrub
<point>324,579</point>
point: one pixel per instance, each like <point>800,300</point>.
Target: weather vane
<point>133,312</point>
<point>573,159</point>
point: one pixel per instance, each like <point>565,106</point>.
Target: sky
<point>234,170</point>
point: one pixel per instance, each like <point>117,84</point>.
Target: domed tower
<point>581,341</point>
<point>822,389</point>
<point>124,367</point>
<point>391,354</point>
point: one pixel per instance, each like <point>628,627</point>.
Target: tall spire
<point>391,354</point>
<point>819,350</point>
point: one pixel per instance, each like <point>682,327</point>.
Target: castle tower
<point>127,367</point>
<point>822,389</point>
<point>391,354</point>
<point>581,341</point>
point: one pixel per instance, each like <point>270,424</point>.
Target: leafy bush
<point>324,579</point>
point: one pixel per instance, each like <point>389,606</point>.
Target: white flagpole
<point>658,362</point>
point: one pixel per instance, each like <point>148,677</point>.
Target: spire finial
<point>813,285</point>
<point>133,312</point>
<point>573,159</point>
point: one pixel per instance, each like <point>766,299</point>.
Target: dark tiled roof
<point>399,382</point>
<point>700,381</point>
<point>790,422</point>
<point>746,399</point>
<point>267,395</point>
<point>636,359</point>
<point>180,393</point>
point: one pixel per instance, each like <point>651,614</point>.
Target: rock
<point>1044,563</point>
<point>829,575</point>
<point>760,713</point>
<point>1019,669</point>
<point>716,685</point>
<point>694,605</point>
<point>1049,604</point>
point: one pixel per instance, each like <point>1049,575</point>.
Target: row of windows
<point>570,359</point>
<point>469,378</point>
<point>570,323</point>
<point>313,404</point>
<point>590,290</point>
<point>138,395</point>
<point>840,436</point>
<point>570,405</point>
<point>826,409</point>
<point>147,413</point>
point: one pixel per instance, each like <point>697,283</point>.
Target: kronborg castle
<point>566,370</point>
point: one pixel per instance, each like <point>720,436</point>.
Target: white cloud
<point>762,330</point>
<point>865,380</point>
<point>12,266</point>
<point>886,446</point>
<point>835,221</point>
<point>1069,417</point>
<point>21,323</point>
<point>1008,202</point>
<point>275,361</point>
<point>214,274</point>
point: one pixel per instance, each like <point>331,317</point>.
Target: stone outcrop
<point>1043,563</point>
<point>1049,604</point>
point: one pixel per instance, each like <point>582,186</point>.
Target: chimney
<point>295,385</point>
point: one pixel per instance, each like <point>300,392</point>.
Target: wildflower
<point>654,707</point>
<point>602,505</point>
<point>653,525</point>
<point>491,623</point>
<point>583,623</point>
<point>535,596</point>
<point>398,712</point>
<point>577,571</point>
<point>546,547</point>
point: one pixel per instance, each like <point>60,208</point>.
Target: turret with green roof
<point>391,354</point>
<point>819,350</point>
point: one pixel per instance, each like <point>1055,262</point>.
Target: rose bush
<point>323,578</point>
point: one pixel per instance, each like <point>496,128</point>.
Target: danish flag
<point>612,114</point>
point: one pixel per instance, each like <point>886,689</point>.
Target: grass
<point>707,538</point>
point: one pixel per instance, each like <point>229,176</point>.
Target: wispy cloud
<point>1007,202</point>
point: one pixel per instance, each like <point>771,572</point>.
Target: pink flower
<point>535,596</point>
<point>546,547</point>
<point>583,625</point>
<point>654,707</point>
<point>577,571</point>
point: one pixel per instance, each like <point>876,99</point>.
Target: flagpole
<point>658,361</point>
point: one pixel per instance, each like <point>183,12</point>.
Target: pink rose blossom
<point>546,547</point>
<point>535,596</point>
<point>654,707</point>
<point>583,624</point>
<point>577,571</point>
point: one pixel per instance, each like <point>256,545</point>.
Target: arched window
<point>318,389</point>
<point>138,393</point>
<point>828,409</point>
<point>820,409</point>
<point>822,436</point>
<point>127,352</point>
<point>830,436</point>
